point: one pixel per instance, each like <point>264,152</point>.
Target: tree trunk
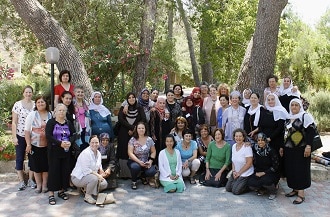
<point>263,53</point>
<point>170,18</point>
<point>194,65</point>
<point>206,65</point>
<point>243,80</point>
<point>51,34</point>
<point>148,25</point>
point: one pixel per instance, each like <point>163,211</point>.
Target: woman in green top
<point>170,167</point>
<point>217,161</point>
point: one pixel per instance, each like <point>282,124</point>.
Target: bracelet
<point>151,158</point>
<point>308,147</point>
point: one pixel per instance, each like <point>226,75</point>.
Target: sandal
<point>144,181</point>
<point>302,199</point>
<point>51,200</point>
<point>133,186</point>
<point>62,195</point>
<point>292,193</point>
<point>192,180</point>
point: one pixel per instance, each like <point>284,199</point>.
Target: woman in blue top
<point>224,102</point>
<point>100,116</point>
<point>188,151</point>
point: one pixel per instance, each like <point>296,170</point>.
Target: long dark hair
<point>70,107</point>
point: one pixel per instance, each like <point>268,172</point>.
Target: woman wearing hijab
<point>252,117</point>
<point>172,107</point>
<point>197,99</point>
<point>145,102</point>
<point>246,97</point>
<point>159,124</point>
<point>128,122</point>
<point>193,114</point>
<point>100,116</point>
<point>287,92</point>
<point>299,134</point>
<point>265,162</point>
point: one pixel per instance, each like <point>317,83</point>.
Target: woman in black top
<point>252,117</point>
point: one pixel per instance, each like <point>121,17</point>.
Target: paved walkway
<point>197,200</point>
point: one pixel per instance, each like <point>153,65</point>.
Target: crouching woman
<point>88,172</point>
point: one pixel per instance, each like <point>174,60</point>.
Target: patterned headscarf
<point>266,149</point>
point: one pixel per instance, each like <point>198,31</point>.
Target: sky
<point>310,11</point>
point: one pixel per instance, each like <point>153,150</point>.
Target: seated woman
<point>241,163</point>
<point>142,153</point>
<point>202,143</point>
<point>88,172</point>
<point>266,164</point>
<point>188,151</point>
<point>217,161</point>
<point>109,163</point>
<point>170,167</point>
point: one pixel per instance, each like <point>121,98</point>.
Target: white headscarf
<point>100,107</point>
<point>278,110</point>
<point>257,112</point>
<point>288,91</point>
<point>308,119</point>
<point>245,101</point>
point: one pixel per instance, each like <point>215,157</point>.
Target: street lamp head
<point>52,55</point>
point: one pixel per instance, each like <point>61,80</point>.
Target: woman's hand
<point>15,141</point>
<point>130,132</point>
<point>154,138</point>
<point>125,109</point>
<point>208,174</point>
<point>185,165</point>
<point>174,177</point>
<point>28,149</point>
<point>106,173</point>
<point>259,174</point>
<point>217,176</point>
<point>281,152</point>
<point>308,150</point>
<point>65,144</point>
<point>236,174</point>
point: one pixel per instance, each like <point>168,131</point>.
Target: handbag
<point>317,142</point>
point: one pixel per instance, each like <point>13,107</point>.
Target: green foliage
<point>319,108</point>
<point>226,27</point>
<point>7,147</point>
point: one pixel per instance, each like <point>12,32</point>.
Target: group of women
<point>233,141</point>
<point>53,141</point>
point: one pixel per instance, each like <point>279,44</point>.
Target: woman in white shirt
<point>242,157</point>
<point>88,172</point>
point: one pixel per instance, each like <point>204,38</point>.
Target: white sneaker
<point>31,183</point>
<point>21,186</point>
<point>272,196</point>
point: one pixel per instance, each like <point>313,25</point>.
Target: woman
<point>252,117</point>
<point>181,125</point>
<point>299,134</point>
<point>196,96</point>
<point>109,164</point>
<point>188,152</point>
<point>172,107</point>
<point>88,172</point>
<point>204,86</point>
<point>145,103</point>
<point>233,117</point>
<point>271,83</point>
<point>159,124</point>
<point>271,123</point>
<point>67,100</point>
<point>128,122</point>
<point>193,114</point>
<point>246,97</point>
<point>20,111</point>
<point>65,79</point>
<point>170,167</point>
<point>223,89</point>
<point>60,136</point>
<point>266,164</point>
<point>224,104</point>
<point>142,154</point>
<point>178,93</point>
<point>154,93</point>
<point>202,143</point>
<point>211,106</point>
<point>242,167</point>
<point>100,116</point>
<point>217,161</point>
<point>35,138</point>
<point>83,118</point>
<point>287,92</point>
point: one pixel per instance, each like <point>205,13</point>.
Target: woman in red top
<point>65,79</point>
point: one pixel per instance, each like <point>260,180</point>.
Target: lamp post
<point>52,57</point>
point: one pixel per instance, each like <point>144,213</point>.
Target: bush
<point>319,108</point>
